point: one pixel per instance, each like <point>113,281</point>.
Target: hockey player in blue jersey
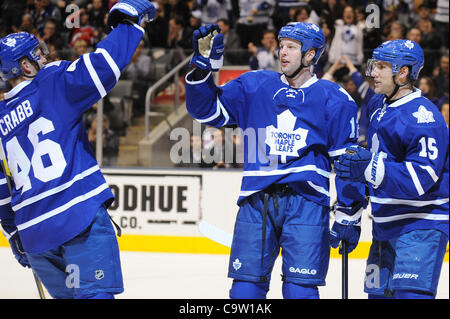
<point>407,173</point>
<point>294,126</point>
<point>56,218</point>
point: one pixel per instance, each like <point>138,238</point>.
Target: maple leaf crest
<point>423,115</point>
<point>283,140</point>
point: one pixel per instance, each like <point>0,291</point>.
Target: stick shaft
<point>344,270</point>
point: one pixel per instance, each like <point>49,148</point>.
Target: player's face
<point>382,77</point>
<point>290,56</point>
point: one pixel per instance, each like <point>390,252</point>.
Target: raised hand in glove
<point>208,47</point>
<point>131,10</point>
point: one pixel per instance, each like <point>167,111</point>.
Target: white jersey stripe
<point>55,190</point>
<point>110,61</point>
<point>288,171</point>
<point>415,179</point>
<point>410,215</point>
<point>430,171</point>
<point>415,203</point>
<point>94,76</point>
<point>63,208</point>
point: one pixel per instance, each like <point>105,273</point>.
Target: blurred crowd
<point>353,28</point>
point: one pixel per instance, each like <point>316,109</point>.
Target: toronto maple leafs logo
<point>283,140</point>
<point>10,42</point>
<point>409,44</point>
<point>237,264</point>
<point>423,115</point>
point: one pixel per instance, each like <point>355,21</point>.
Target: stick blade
<point>215,234</point>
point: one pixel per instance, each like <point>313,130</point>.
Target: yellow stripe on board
<point>198,245</point>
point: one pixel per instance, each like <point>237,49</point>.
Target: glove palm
<point>208,47</point>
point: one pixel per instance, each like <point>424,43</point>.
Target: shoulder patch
<point>423,115</point>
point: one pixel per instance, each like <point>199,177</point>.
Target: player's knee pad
<point>297,291</point>
<point>249,290</point>
<point>99,295</point>
<point>412,294</point>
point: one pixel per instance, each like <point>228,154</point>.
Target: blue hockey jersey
<point>291,135</point>
<point>58,185</point>
<point>411,192</point>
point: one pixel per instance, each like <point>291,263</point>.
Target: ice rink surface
<point>189,276</point>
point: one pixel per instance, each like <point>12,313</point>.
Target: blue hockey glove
<point>353,163</point>
<point>17,249</point>
<point>208,48</point>
<point>349,233</point>
<point>132,10</point>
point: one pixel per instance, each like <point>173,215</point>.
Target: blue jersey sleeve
<point>82,83</point>
<point>424,138</point>
<point>343,133</point>
<point>212,105</point>
<point>6,213</point>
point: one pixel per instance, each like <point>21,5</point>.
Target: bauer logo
<point>303,271</point>
<point>405,276</point>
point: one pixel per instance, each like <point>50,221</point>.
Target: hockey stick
<point>215,234</point>
<point>344,251</point>
<point>8,178</point>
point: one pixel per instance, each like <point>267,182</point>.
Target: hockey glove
<point>349,233</point>
<point>131,10</point>
<point>208,48</point>
<point>16,246</point>
<point>352,165</point>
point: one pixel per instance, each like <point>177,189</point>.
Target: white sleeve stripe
<point>110,61</point>
<point>5,201</point>
<point>415,179</point>
<point>94,76</point>
<point>196,82</point>
<point>340,217</point>
<point>430,171</point>
<point>224,112</point>
<point>212,117</point>
<point>337,152</point>
<point>139,27</point>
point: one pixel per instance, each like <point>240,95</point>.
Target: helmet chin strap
<point>397,87</point>
<point>299,69</point>
<point>32,76</point>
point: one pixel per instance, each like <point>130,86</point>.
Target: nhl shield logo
<point>99,274</point>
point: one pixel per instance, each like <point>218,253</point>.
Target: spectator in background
<point>440,77</point>
<point>445,112</point>
<point>212,10</point>
<point>158,29</point>
<point>139,72</point>
<point>396,31</point>
<point>42,10</point>
<point>347,40</point>
<point>414,34</point>
<point>50,35</point>
<point>79,48</point>
<point>265,57</point>
<point>110,141</point>
<point>232,55</point>
<point>26,25</point>
<point>431,42</point>
<point>426,85</point>
<point>96,14</point>
<point>177,8</point>
<point>441,20</point>
<point>255,16</point>
<point>195,20</point>
<point>85,32</point>
<point>180,36</point>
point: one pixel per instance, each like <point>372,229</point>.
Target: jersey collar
<point>308,83</point>
<point>10,94</point>
<point>411,96</point>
